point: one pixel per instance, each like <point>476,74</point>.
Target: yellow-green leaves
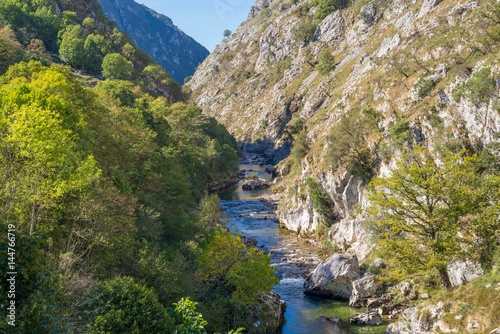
<point>422,208</point>
<point>41,152</point>
<point>244,270</point>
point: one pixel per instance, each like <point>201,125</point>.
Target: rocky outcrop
<point>363,288</point>
<point>421,320</point>
<point>461,272</point>
<point>270,315</point>
<point>333,278</point>
<point>366,318</point>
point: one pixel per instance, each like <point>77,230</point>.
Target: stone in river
<point>333,278</point>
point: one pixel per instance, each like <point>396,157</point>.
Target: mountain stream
<point>251,215</point>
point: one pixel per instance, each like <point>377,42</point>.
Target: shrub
<point>401,133</point>
<point>304,32</point>
<point>424,87</point>
<point>116,67</point>
<point>124,306</point>
<point>347,147</point>
<point>300,147</point>
<point>326,7</point>
<point>325,62</point>
<point>482,87</point>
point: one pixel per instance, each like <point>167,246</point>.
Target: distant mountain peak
<point>156,34</point>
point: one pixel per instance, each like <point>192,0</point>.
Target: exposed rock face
<point>158,36</point>
<point>274,311</point>
<point>463,271</point>
<point>425,320</point>
<point>262,81</point>
<point>366,318</point>
<point>333,278</point>
<point>363,288</point>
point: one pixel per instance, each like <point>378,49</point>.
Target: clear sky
<point>204,20</point>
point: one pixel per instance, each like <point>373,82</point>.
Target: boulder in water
<point>248,241</point>
<point>333,278</point>
<point>255,184</point>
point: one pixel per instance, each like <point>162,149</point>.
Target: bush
<point>347,147</point>
<point>326,7</point>
<point>300,147</point>
<point>424,87</point>
<point>304,32</point>
<point>116,67</point>
<point>401,133</point>
<point>325,62</point>
<point>322,203</point>
<point>124,306</point>
<point>482,87</point>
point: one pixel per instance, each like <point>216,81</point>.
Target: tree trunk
<point>445,278</point>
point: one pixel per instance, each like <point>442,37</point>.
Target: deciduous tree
<point>427,210</point>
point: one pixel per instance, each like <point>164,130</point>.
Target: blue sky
<point>204,20</point>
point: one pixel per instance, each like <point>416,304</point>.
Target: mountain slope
<point>158,36</point>
<point>398,72</point>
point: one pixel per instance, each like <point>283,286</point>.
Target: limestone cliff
<point>410,63</point>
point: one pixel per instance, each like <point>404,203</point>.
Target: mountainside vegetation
<point>156,34</point>
<point>105,217</point>
<point>81,36</point>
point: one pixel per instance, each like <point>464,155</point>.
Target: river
<point>253,217</point>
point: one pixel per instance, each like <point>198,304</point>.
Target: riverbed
<point>251,214</point>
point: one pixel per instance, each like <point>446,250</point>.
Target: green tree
<point>325,7</point>
<point>425,209</point>
<point>210,212</point>
<point>325,62</point>
<point>71,49</point>
<point>116,67</point>
<point>304,32</point>
<point>347,147</point>
<point>124,306</point>
<point>41,134</point>
<point>40,295</point>
<point>244,271</point>
<point>227,33</point>
<point>88,23</point>
<point>482,87</point>
<point>186,319</point>
<point>94,48</point>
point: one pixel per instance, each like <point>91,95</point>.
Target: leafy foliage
<point>326,7</point>
<point>322,204</point>
<point>300,147</point>
<point>423,205</point>
<point>482,87</point>
<point>242,271</point>
<point>304,32</point>
<point>116,67</point>
<point>325,62</point>
<point>99,172</point>
<point>347,147</point>
<point>123,306</point>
